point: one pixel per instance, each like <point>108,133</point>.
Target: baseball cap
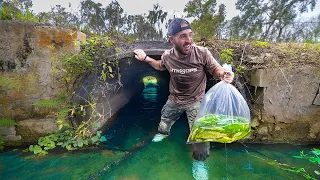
<point>177,25</point>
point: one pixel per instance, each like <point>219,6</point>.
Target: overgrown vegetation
<point>68,70</point>
<point>261,44</point>
<point>227,56</point>
<point>65,139</point>
<point>17,10</point>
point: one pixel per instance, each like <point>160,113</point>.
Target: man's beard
<point>180,48</point>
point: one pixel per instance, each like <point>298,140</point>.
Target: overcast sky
<point>134,6</point>
<point>143,6</point>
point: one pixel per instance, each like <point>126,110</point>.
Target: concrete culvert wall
<point>26,67</point>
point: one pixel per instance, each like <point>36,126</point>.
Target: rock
<point>315,130</point>
<point>268,56</point>
<point>254,122</point>
<point>256,59</point>
<point>263,131</point>
<point>264,77</point>
<point>5,131</point>
<point>8,134</point>
<point>41,126</point>
<point>32,129</point>
<point>11,138</point>
<point>317,100</point>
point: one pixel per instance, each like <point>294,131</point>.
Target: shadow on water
<point>129,153</point>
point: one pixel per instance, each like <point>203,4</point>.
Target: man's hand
<point>226,76</point>
<point>140,54</point>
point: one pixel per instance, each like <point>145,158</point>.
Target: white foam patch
<point>200,170</point>
<point>158,137</point>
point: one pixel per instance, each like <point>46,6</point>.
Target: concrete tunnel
<point>109,102</point>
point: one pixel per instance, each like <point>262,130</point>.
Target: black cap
<point>177,25</point>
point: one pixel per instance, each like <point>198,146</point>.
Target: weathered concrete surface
<point>9,135</point>
<point>285,109</point>
<point>31,129</point>
<point>26,50</point>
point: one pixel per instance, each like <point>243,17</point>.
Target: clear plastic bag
<point>224,116</point>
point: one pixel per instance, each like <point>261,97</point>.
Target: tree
<point>92,17</point>
<point>17,10</point>
<point>156,17</point>
<point>113,15</point>
<point>207,24</point>
<point>199,8</point>
<point>59,16</point>
<point>267,20</point>
<point>303,31</point>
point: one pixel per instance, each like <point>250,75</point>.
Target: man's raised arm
<point>141,56</point>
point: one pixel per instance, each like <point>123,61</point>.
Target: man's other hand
<point>140,54</point>
<point>227,76</point>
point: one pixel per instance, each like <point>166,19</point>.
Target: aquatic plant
<point>312,156</point>
<point>219,128</point>
<point>286,167</point>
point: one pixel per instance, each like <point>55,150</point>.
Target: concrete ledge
<point>41,126</point>
<point>263,77</point>
<point>6,131</point>
<point>11,138</point>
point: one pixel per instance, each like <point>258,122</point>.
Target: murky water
<point>129,154</point>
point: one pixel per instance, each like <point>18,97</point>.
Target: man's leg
<point>169,114</point>
<point>200,170</point>
<point>200,151</point>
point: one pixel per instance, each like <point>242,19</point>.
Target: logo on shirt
<point>184,71</point>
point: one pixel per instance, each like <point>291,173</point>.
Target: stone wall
<point>26,51</point>
<point>286,107</point>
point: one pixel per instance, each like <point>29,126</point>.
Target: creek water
<point>129,153</point>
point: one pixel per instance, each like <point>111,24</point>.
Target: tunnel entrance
<point>136,78</point>
<point>137,75</point>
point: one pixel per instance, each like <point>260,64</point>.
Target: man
<point>187,64</point>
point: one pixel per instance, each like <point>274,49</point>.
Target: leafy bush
<point>65,139</point>
<point>262,44</point>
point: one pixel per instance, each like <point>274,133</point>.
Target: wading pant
<point>171,112</point>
